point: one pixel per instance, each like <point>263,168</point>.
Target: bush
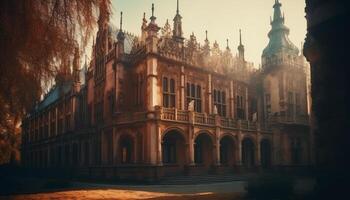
<point>270,187</point>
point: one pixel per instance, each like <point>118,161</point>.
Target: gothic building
<point>160,104</point>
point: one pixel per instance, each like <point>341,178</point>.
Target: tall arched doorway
<point>173,152</point>
<point>265,151</point>
<point>227,151</point>
<point>126,149</point>
<point>248,151</point>
<point>203,150</point>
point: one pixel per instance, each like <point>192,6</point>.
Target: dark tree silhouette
<point>37,40</point>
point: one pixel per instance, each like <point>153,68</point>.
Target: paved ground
<point>82,190</point>
<point>230,190</point>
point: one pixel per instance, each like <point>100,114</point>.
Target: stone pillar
<point>246,104</point>
<point>209,94</point>
<point>217,140</point>
<point>258,149</point>
<point>153,90</point>
<point>182,89</point>
<point>191,138</point>
<point>239,145</point>
<point>159,136</point>
<point>232,105</point>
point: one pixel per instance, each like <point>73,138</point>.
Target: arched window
<point>220,102</point>
<point>194,92</point>
<point>168,93</point>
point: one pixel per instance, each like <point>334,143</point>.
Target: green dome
<point>279,41</point>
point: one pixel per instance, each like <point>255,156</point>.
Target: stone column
<point>258,149</point>
<point>182,89</point>
<point>191,138</point>
<point>232,105</point>
<point>246,104</point>
<point>239,145</point>
<point>217,140</point>
<point>152,83</point>
<point>209,94</point>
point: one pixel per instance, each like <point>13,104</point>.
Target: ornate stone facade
<point>160,104</point>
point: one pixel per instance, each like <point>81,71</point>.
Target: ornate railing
<point>303,119</point>
<point>184,116</point>
<point>171,114</point>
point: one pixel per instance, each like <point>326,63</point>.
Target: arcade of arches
<point>207,151</point>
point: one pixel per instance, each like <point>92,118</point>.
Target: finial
<point>144,15</point>
<point>121,21</point>
<point>206,35</point>
<point>152,9</point>
<point>240,37</point>
<point>227,43</point>
<point>177,9</point>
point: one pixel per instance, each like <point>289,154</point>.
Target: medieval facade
<point>160,104</point>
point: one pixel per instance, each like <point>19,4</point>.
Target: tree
<point>37,40</point>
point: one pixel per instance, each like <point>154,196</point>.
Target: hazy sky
<point>222,19</point>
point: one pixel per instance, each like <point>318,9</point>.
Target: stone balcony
<point>189,117</point>
<point>298,120</point>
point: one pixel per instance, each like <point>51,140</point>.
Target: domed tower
<point>284,75</point>
<point>284,92</point>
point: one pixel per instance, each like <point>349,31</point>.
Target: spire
<point>143,28</point>
<point>241,46</point>
<point>121,35</point>
<point>177,8</point>
<point>177,31</point>
<point>277,11</point>
<point>121,21</point>
<point>227,46</point>
<point>206,46</point>
<point>240,37</point>
<point>153,18</point>
<point>278,35</point>
<point>144,21</point>
<point>152,28</point>
<point>166,30</point>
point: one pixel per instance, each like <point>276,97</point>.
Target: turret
<point>177,31</point>
<point>152,33</point>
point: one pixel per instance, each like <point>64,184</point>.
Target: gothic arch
<point>248,152</point>
<point>173,128</point>
<point>211,135</point>
<point>228,150</point>
<point>229,134</point>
